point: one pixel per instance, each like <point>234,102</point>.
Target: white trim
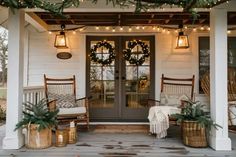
<point>219,138</point>
<point>14,139</point>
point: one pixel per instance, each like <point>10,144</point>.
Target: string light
<point>49,32</point>
<point>160,29</point>
<point>74,32</point>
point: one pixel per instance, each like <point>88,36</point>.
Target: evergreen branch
<point>140,5</point>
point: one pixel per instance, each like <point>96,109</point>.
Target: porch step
<point>119,128</point>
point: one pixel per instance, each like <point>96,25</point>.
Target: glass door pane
<point>102,80</point>
<point>102,85</point>
<point>138,78</point>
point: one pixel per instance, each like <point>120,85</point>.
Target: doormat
<point>120,129</point>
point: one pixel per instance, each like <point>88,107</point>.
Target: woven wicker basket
<point>193,134</point>
<point>38,139</point>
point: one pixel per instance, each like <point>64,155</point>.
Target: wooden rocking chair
<point>205,84</point>
<point>63,91</point>
<point>175,89</point>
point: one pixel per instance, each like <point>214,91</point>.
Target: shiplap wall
<point>42,59</point>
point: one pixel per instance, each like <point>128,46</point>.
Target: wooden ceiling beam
<point>129,18</point>
<point>36,21</point>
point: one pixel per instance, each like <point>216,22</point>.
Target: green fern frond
<point>38,113</point>
<point>193,111</point>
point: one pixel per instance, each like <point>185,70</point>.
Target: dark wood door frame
<point>120,113</point>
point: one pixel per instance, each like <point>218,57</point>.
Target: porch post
<point>14,139</point>
<point>219,139</point>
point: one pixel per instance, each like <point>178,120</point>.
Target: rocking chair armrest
<point>52,105</point>
<point>86,102</point>
<point>83,98</point>
<point>153,102</point>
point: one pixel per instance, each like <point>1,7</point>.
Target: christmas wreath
<point>111,52</point>
<point>135,59</point>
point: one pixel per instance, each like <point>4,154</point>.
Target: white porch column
<point>16,21</point>
<point>219,139</point>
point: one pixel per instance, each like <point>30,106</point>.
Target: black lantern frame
<point>182,40</point>
<point>61,40</point>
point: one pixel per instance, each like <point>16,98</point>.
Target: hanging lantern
<point>182,40</point>
<point>60,39</point>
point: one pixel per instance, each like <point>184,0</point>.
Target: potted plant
<point>195,123</point>
<point>38,120</point>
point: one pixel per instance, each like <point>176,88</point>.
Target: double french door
<point>119,90</point>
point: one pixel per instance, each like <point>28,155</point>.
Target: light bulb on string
<point>130,29</point>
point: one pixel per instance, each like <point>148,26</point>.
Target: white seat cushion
<point>73,110</point>
<point>172,99</point>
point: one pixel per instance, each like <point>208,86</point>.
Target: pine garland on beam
<point>140,5</point>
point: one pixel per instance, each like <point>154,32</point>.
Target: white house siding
<point>42,59</point>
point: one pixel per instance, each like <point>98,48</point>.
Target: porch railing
<point>33,94</point>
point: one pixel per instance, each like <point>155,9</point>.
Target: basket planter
<point>38,139</point>
<point>193,134</point>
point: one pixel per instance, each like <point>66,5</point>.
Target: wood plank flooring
<point>94,144</point>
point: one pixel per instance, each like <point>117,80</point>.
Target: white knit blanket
<point>159,120</point>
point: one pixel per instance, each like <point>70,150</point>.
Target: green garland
<point>140,5</point>
<point>136,60</point>
<point>56,8</point>
<point>111,52</point>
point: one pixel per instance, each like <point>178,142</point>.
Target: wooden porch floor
<point>91,144</point>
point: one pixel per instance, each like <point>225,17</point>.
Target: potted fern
<point>195,124</point>
<point>38,120</point>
